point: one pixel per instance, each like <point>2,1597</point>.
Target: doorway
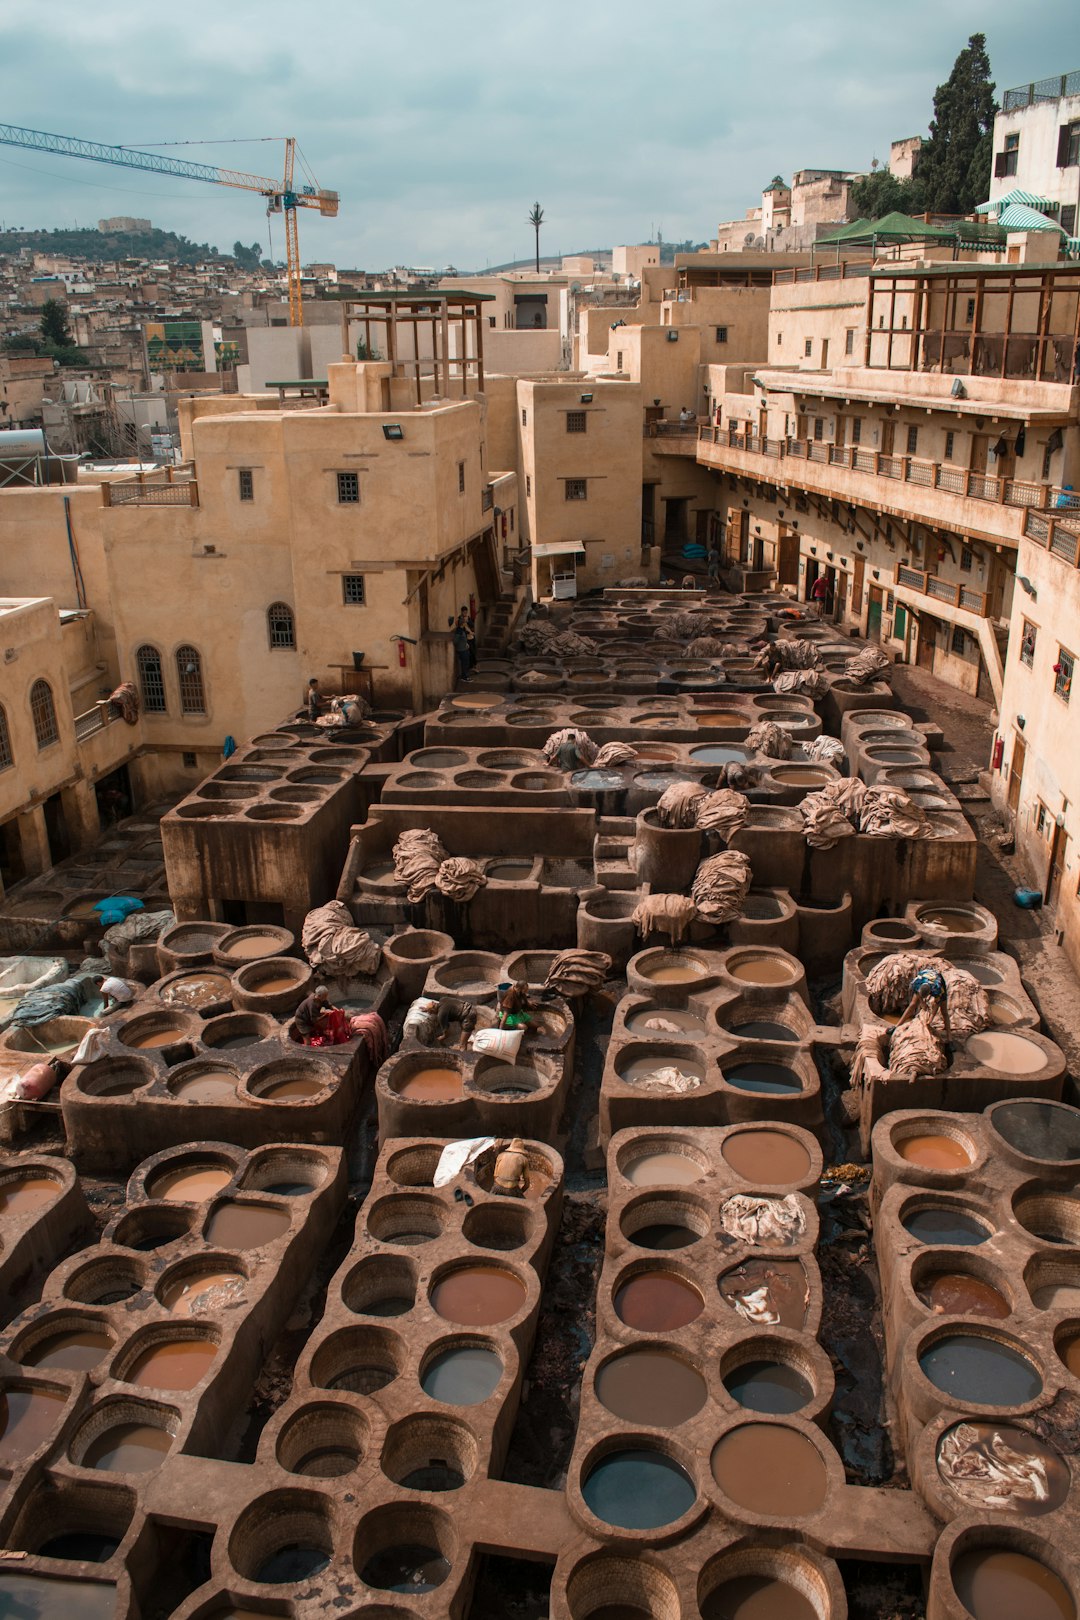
<point>675,520</point>
<point>857,578</point>
<point>924,652</point>
<point>1056,866</point>
<point>60,846</point>
<point>12,865</point>
<point>980,445</point>
<point>787,557</point>
<point>873,613</point>
<point>1016,773</point>
<point>114,796</point>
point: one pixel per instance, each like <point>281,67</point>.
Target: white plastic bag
<point>504,1043</point>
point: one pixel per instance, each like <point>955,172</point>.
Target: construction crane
<point>282,196</point>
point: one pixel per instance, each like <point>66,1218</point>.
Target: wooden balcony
<point>934,492</point>
<point>1058,531</point>
<point>946,591</point>
<point>165,486</point>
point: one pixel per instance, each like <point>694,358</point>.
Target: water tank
<point>22,442</point>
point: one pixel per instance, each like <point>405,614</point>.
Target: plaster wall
<point>1036,167</point>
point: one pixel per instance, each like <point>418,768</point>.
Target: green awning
<point>1027,198</point>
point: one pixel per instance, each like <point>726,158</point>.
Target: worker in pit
<point>929,994</point>
<point>511,1177</point>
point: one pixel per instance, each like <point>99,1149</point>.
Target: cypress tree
<point>952,172</point>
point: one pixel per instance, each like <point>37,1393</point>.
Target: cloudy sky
<point>440,123</point>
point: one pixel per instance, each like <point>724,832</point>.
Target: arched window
<point>43,714</point>
<point>280,623</point>
<point>151,679</point>
<point>189,672</point>
<point>7,758</point>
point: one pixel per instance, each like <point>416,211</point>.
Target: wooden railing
<point>1058,531</point>
<point>165,486</point>
<point>976,486</point>
<point>843,271</point>
<point>93,720</point>
<point>950,592</point>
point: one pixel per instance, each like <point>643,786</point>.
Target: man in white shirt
<point>115,993</point>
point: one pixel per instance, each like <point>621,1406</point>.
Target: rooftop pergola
<point>1017,321</point>
<point>437,336</point>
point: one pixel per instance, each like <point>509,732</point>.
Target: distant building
<point>124,222</point>
<point>1037,147</point>
<point>902,156</point>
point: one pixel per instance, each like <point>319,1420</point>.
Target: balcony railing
<point>976,486</point>
<point>1057,532</point>
<point>844,271</point>
<point>94,720</point>
<point>942,590</point>
<point>1055,89</point>
<point>165,486</point>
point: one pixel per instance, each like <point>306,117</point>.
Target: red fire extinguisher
<point>999,753</point>
<point>401,654</point>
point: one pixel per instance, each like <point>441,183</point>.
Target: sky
<point>440,124</point>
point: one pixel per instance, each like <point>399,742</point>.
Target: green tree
<point>247,257</point>
<point>881,193</point>
<point>953,167</point>
<point>536,219</point>
<point>54,324</point>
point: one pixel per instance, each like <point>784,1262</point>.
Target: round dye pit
<point>638,1490</point>
<point>764,1029</point>
<point>767,1158</point>
<point>662,1169</point>
<point>998,1584</point>
<point>177,1364</point>
<point>664,1235</point>
<point>770,1293</point>
<point>27,1418</point>
<point>638,1071</point>
<point>294,1090</point>
<point>411,1566</point>
<point>955,1293</point>
<point>770,1469</point>
<point>78,1350</point>
<point>952,920</point>
<point>970,1458</point>
<point>1005,1052</point>
<point>769,1386</point>
<point>251,946</point>
<point>194,1184</point>
<point>671,970</point>
<point>197,990</point>
<point>1045,1131</point>
<point>762,970</point>
<point>804,776</point>
<point>83,1546</point>
<point>464,1375</point>
<point>207,1086</point>
<point>1068,1350</point>
<point>509,871</point>
<point>478,1296</point>
<point>596,781</point>
<point>24,1194</point>
<point>943,1224</point>
<point>757,1597</point>
<point>203,1293</point>
<point>246,1226</point>
<point>651,1387</point>
<point>432,1085</point>
<point>148,1040</point>
<point>651,1021</point>
<point>932,1152</point>
<point>719,754</point>
<point>980,1370</point>
<point>129,1448</point>
<point>769,1079</point>
<point>294,1562</point>
<point>657,1302</point>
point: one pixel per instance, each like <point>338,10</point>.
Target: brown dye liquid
<point>721,717</point>
<point>174,1364</point>
<point>934,1152</point>
<point>795,777</point>
<point>1069,1351</point>
<point>246,1226</point>
<point>157,1037</point>
<point>757,1597</point>
<point>1006,1053</point>
<point>212,1086</point>
<point>32,1192</point>
<point>766,1158</point>
<point>478,1296</point>
<point>767,1468</point>
<point>954,1293</point>
<point>662,1170</point>
<point>254,945</point>
<point>651,1386</point>
<point>657,1302</point>
<point>783,1280</point>
<point>27,1418</point>
<point>993,1584</point>
<point>191,1186</point>
<point>638,1023</point>
<point>479,700</point>
<point>130,1448</point>
<point>762,970</point>
<point>198,989</point>
<point>70,1352</point>
<point>671,972</point>
<point>286,1089</point>
<point>957,922</point>
<point>274,985</point>
<point>183,1296</point>
<point>432,1085</point>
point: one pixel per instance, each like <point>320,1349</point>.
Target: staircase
<point>500,620</point>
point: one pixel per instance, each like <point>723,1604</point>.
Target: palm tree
<point>536,219</point>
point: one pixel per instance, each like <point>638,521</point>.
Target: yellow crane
<point>282,196</point>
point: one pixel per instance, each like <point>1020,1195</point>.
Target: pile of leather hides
<point>766,737</point>
<point>721,885</point>
<point>332,942</point>
<point>810,682</point>
<point>866,666</point>
<point>421,861</point>
<point>754,1219</point>
<point>574,973</point>
<point>723,811</point>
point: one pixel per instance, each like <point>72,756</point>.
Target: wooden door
<point>1057,864</point>
<point>824,354</point>
<point>980,444</point>
<point>787,557</point>
<point>857,587</point>
<point>887,429</point>
<point>873,613</point>
<point>924,657</point>
<point>1016,773</point>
